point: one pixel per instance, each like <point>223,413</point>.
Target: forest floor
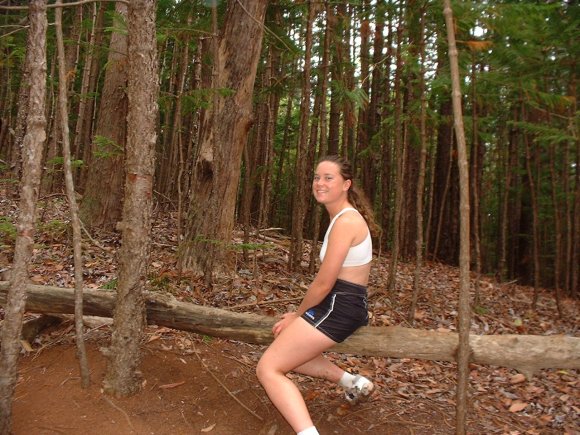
<point>198,384</point>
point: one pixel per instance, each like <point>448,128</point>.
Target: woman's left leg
<point>320,367</point>
<point>297,345</point>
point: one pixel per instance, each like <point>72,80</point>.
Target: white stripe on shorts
<point>328,313</point>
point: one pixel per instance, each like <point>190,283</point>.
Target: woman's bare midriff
<point>356,274</point>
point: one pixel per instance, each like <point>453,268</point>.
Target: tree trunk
<point>363,146</point>
<point>273,107</point>
<point>504,209</point>
<point>334,21</point>
<point>222,139</point>
<point>420,181</point>
<point>475,178</point>
<point>415,10</point>
<point>399,165</point>
<point>445,205</point>
<point>573,234</point>
<point>278,182</point>
<point>575,242</point>
<point>22,115</point>
<point>575,273</point>
<point>301,172</point>
<point>31,171</point>
<point>386,135</point>
<point>164,166</point>
<point>103,198</point>
<point>376,96</point>
<point>86,110</point>
<point>53,180</point>
<point>121,378</point>
<point>464,351</point>
<point>557,229</point>
<point>535,213</point>
<point>70,191</point>
<point>169,176</point>
<point>348,124</point>
<point>526,353</point>
<point>323,138</point>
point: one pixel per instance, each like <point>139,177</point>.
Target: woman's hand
<point>285,321</point>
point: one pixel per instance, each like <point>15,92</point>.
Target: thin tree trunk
<point>557,229</point>
<point>576,227</point>
<point>573,205</point>
<point>299,194</point>
<point>399,157</point>
<point>84,100</point>
<point>22,115</point>
<point>413,18</point>
<point>122,377</point>
<point>270,128</point>
<point>165,166</point>
<point>336,77</point>
<point>177,134</point>
<point>50,158</point>
<point>386,135</point>
<point>475,165</point>
<point>443,202</point>
<point>86,127</point>
<point>504,217</point>
<point>323,141</point>
<point>464,350</point>
<point>193,131</point>
<point>282,155</point>
<point>175,144</point>
<point>376,95</point>
<point>70,190</point>
<point>535,213</point>
<point>420,181</point>
<point>348,124</point>
<point>31,171</point>
<point>574,249</point>
<point>363,146</point>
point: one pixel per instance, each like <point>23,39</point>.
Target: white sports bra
<point>357,255</point>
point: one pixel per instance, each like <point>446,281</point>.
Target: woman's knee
<point>260,370</point>
<point>264,369</point>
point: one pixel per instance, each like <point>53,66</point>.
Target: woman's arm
<point>349,230</point>
<point>345,231</point>
<point>339,242</point>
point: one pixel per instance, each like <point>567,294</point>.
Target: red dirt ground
<point>189,388</point>
<point>191,384</point>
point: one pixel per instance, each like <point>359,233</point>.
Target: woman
<point>334,306</point>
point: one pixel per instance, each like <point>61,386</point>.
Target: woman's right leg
<point>298,344</point>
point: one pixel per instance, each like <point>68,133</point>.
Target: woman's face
<point>328,185</point>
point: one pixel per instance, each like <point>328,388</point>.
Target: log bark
<point>526,353</point>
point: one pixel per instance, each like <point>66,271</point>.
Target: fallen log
<point>526,353</point>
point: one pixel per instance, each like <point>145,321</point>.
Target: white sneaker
<point>361,389</point>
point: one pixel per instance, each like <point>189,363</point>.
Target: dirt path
<point>190,387</point>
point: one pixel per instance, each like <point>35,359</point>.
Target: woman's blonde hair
<point>355,195</point>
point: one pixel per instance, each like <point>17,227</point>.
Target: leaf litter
<point>413,396</point>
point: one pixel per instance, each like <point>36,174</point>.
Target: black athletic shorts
<point>341,312</point>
